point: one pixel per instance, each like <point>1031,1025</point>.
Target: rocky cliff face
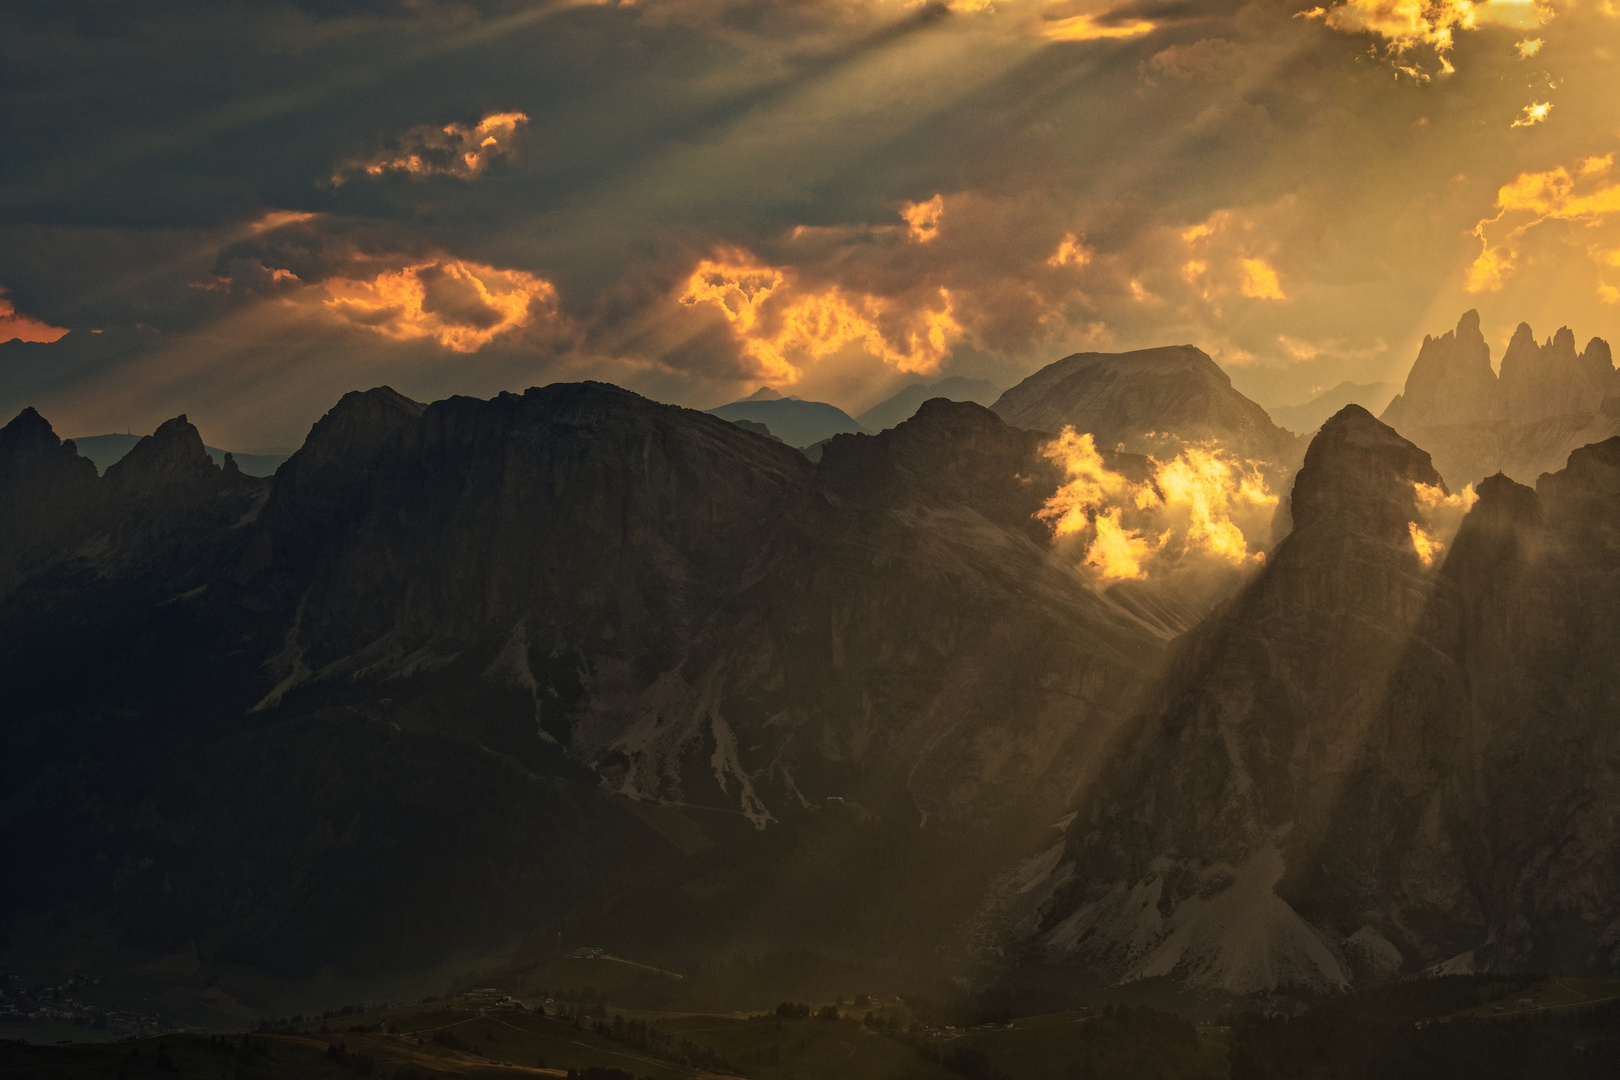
<point>655,635</point>
<point>1540,381</point>
<point>1172,863</point>
<point>1451,382</point>
<point>704,613</point>
<point>1362,766</point>
<point>1148,402</point>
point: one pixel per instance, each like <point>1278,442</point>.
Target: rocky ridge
<point>1548,400</point>
<point>1363,767</point>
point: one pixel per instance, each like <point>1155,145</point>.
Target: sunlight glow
<point>782,328</point>
<point>461,305</point>
<point>1195,504</point>
<point>15,327</point>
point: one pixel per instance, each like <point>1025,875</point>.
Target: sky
<point>241,210</point>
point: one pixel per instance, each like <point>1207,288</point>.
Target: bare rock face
<point>1451,382</point>
<point>1361,767</point>
<point>47,492</point>
<point>1540,381</point>
<point>1148,401</point>
<point>708,616</point>
<point>1173,865</point>
<point>596,634</point>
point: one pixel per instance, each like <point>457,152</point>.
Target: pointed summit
<point>1451,381</point>
<point>764,393</point>
<point>1541,381</point>
<point>171,458</point>
<point>1359,474</point>
<point>46,490</point>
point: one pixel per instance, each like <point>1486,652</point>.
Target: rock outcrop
<point>628,634</point>
<point>1547,380</point>
<point>1231,778</point>
<point>1451,382</point>
<point>1363,767</point>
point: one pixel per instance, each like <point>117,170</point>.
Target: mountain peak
<point>1550,379</point>
<point>172,456</point>
<point>1451,382</point>
<point>1360,471</point>
<point>764,393</point>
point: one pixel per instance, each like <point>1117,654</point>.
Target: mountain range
<point>475,679</point>
<point>1547,401</point>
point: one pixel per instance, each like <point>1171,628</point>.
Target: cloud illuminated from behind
<point>18,327</point>
<point>460,150</point>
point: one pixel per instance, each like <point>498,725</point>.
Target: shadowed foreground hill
<point>541,665</point>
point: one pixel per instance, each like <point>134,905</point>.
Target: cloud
<point>1534,113</point>
<point>1405,25</point>
<point>785,327</point>
<point>1202,504</point>
<point>1221,260</point>
<point>922,219</point>
<point>460,150</point>
<point>1440,517</point>
<point>1585,197</point>
<point>18,327</point>
<point>1094,28</point>
<point>461,305</point>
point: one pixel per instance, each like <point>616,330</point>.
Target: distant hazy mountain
<point>902,405</point>
<point>757,428</point>
<point>1305,419</point>
<point>1149,401</point>
<point>797,423</point>
<point>1548,401</point>
<point>106,449</point>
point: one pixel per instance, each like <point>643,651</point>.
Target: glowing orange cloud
<point>782,327</point>
<point>1586,197</point>
<point>1406,24</point>
<point>1070,252</point>
<point>15,327</point>
<point>922,219</point>
<point>1195,505</point>
<point>452,150</point>
<point>1221,261</point>
<point>461,305</point>
<point>1442,516</point>
<point>1534,113</point>
<point>1087,28</point>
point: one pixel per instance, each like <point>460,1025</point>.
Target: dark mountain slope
<point>46,492</point>
<point>447,642</point>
